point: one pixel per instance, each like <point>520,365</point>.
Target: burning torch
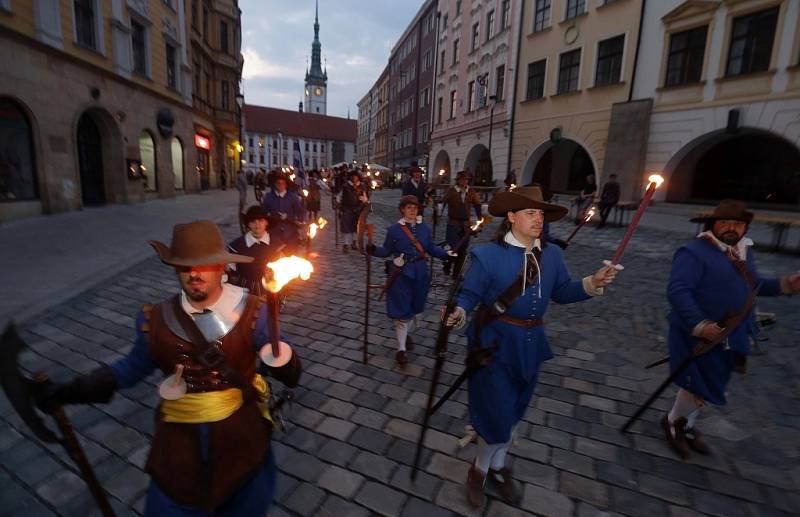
<point>313,228</point>
<point>589,214</point>
<point>278,353</point>
<point>655,182</point>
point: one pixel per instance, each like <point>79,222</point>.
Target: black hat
<point>255,212</point>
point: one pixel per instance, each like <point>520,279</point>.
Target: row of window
<point>543,8</point>
<point>286,144</point>
<point>477,94</point>
<point>224,29</point>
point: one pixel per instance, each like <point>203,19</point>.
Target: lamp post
<point>492,98</point>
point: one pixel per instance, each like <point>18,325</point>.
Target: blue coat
<point>409,292</point>
<point>500,393</point>
<point>420,191</point>
<point>705,285</point>
<point>283,231</point>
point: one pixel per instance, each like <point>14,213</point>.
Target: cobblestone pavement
<point>350,437</point>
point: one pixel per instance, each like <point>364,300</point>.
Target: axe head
<point>19,389</point>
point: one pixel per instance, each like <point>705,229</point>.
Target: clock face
<point>318,92</point>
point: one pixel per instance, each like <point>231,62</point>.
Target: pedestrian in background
<point>609,197</point>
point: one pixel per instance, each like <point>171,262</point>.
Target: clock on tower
<point>318,91</point>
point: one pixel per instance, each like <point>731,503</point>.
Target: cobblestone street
<point>351,434</point>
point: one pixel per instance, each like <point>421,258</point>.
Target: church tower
<point>316,93</point>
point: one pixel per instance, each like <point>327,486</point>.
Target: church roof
<point>262,119</point>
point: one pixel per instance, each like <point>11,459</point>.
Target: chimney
<point>301,106</point>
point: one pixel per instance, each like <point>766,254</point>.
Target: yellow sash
<point>213,406</point>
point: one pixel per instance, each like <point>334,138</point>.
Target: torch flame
<point>325,180</point>
<point>312,230</point>
<point>477,224</point>
<point>441,172</point>
<point>377,173</point>
<point>657,179</point>
<point>374,184</point>
<point>321,222</point>
<point>512,186</point>
<point>287,269</point>
<point>291,176</point>
<point>590,214</point>
<point>305,193</point>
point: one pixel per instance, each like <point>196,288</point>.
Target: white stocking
<point>686,405</point>
<point>401,330</point>
<point>483,461</point>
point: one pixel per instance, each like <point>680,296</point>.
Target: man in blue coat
<point>285,211</point>
<point>712,277</point>
<point>513,279</point>
<point>409,242</point>
<point>416,186</point>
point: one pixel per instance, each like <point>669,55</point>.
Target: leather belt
<point>528,324</point>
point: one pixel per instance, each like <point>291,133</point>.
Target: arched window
<point>147,153</point>
<point>177,162</point>
<point>17,168</point>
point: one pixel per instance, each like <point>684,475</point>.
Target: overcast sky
<point>356,37</point>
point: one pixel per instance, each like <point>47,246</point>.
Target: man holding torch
<point>353,198</point>
<point>460,200</point>
<point>512,279</point>
<point>711,290</point>
<point>210,451</point>
<point>285,210</point>
<point>409,241</point>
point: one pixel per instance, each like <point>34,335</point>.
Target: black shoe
<point>409,344</point>
<point>696,442</point>
<point>508,488</point>
<point>401,358</point>
<point>677,442</point>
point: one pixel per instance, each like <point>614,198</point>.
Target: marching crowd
<point>211,450</point>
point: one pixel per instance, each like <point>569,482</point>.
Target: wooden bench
<point>623,211</point>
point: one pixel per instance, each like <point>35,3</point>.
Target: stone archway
<point>750,164</point>
<point>101,172</point>
<point>441,163</point>
<point>479,163</point>
<point>559,167</point>
<point>18,172</point>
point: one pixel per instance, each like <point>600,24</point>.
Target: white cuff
<point>589,287</point>
<point>698,329</point>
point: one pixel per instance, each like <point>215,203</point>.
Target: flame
<point>369,173</point>
<point>512,187</point>
<point>441,172</point>
<point>312,230</point>
<point>305,193</point>
<point>590,214</point>
<point>374,184</point>
<point>477,224</point>
<point>377,173</point>
<point>291,176</point>
<point>321,222</point>
<point>657,179</point>
<point>287,269</point>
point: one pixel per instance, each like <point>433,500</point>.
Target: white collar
<point>510,238</point>
<point>404,222</point>
<point>250,239</point>
<point>280,194</point>
<point>416,183</point>
<point>458,189</point>
<point>741,246</point>
<point>225,306</point>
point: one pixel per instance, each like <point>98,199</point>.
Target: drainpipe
<point>514,95</point>
<point>638,45</point>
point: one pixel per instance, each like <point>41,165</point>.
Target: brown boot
<point>696,442</point>
<point>476,481</point>
<point>677,442</point>
<point>508,488</point>
<point>401,358</point>
<point>409,344</point>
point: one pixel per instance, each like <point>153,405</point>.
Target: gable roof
<point>262,119</point>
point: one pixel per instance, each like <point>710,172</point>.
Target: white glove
<point>457,318</point>
<point>451,253</point>
<point>283,216</point>
<point>399,261</point>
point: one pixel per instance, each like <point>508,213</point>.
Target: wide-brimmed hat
<point>196,244</point>
<point>254,212</point>
<point>727,209</point>
<point>408,200</point>
<point>463,174</point>
<point>524,198</point>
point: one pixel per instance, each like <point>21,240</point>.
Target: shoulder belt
<point>507,298</point>
<point>740,265</point>
<point>414,241</point>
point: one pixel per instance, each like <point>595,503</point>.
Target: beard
<point>195,295</point>
<point>729,238</point>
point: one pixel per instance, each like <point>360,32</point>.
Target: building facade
<point>272,136</point>
<point>381,98</point>
<point>572,117</point>
<point>724,79</point>
<point>473,83</point>
<point>98,103</point>
<point>411,67</point>
<point>365,119</point>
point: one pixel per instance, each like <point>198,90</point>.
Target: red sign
<point>202,142</point>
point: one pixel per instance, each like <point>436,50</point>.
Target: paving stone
<point>453,497</point>
<point>595,449</point>
<point>340,481</point>
<point>716,504</point>
<point>536,473</point>
<point>402,429</point>
<point>61,488</point>
<point>370,439</point>
<point>303,466</point>
<point>554,406</point>
<point>305,499</point>
<point>417,508</point>
<point>373,466</point>
<point>636,504</point>
<point>128,484</point>
<point>381,499</point>
<point>736,487</point>
<point>39,469</point>
<point>600,403</point>
<point>338,408</point>
<point>585,489</point>
<point>370,400</point>
<point>448,468</point>
<point>336,452</point>
<point>543,501</point>
<point>334,506</point>
<point>669,491</point>
<point>403,451</point>
<point>550,436</point>
<point>306,417</point>
<point>616,474</point>
<point>424,485</point>
<point>577,463</point>
<point>303,439</point>
<point>336,428</point>
<point>342,391</point>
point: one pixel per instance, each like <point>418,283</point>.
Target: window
<point>306,146</point>
<point>306,161</point>
<point>423,133</point>
<point>426,60</point>
<point>453,99</point>
<point>685,60</point>
<point>535,86</point>
<point>261,143</point>
<point>139,46</point>
<point>609,61</point>
<point>500,83</point>
<point>177,162</point>
<point>225,95</point>
<point>568,71</point>
<point>172,76</point>
<point>223,37</point>
<point>575,8</point>
<point>541,16</point>
<point>439,104</point>
<point>84,23</point>
<point>476,34</point>
<point>197,78</point>
<point>18,174</point>
<point>315,147</point>
<point>444,23</point>
<point>322,148</point>
<point>205,23</point>
<point>274,144</point>
<point>505,20</point>
<point>261,159</point>
<point>441,63</point>
<point>751,42</point>
<point>455,52</point>
<point>147,153</point>
<point>274,160</point>
<point>471,96</point>
<point>458,7</point>
<point>490,25</point>
<point>250,141</point>
<point>285,143</point>
<point>209,100</point>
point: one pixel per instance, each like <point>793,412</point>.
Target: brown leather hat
<point>727,209</point>
<point>523,198</point>
<point>198,243</point>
